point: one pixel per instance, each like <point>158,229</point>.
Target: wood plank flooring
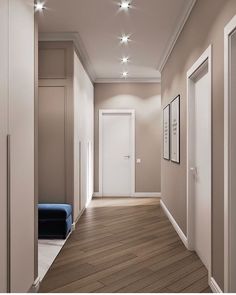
<point>125,246</point>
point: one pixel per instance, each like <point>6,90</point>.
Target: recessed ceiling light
<point>124,39</point>
<point>125,4</point>
<point>39,6</point>
<point>125,60</point>
<point>125,74</point>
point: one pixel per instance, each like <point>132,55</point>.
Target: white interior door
<point>199,158</point>
<point>21,130</point>
<point>4,12</point>
<point>202,166</point>
<point>230,158</point>
<point>117,153</point>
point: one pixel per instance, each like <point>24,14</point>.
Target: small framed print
<point>175,129</point>
<point>166,132</point>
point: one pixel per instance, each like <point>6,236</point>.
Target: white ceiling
<point>95,26</point>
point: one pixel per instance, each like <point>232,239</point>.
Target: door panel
<point>52,179</point>
<point>232,163</point>
<point>3,142</point>
<point>21,129</point>
<point>202,140</point>
<point>117,157</point>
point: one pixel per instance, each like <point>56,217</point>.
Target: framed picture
<point>166,132</point>
<point>175,129</point>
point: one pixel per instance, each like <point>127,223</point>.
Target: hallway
<point>125,245</point>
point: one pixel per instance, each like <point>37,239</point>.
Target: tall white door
<point>117,154</point>
<point>202,166</point>
<point>230,157</point>
<point>17,205</point>
<point>3,142</point>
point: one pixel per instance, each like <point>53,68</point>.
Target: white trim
<point>135,195</point>
<point>127,80</point>
<point>229,28</point>
<point>205,57</point>
<point>117,111</point>
<point>80,48</point>
<point>168,50</point>
<point>214,286</point>
<point>35,287</point>
<point>97,195</point>
<point>147,195</point>
<point>175,224</point>
<point>88,201</point>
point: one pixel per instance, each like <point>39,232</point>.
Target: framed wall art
<point>175,129</point>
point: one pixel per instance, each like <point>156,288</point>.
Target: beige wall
<point>56,160</point>
<point>204,27</point>
<point>145,99</point>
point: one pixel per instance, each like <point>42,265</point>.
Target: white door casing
<point>199,157</point>
<point>229,156</point>
<point>116,153</point>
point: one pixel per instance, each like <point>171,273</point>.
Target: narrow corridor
<point>125,245</point>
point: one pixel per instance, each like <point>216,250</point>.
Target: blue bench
<point>55,221</point>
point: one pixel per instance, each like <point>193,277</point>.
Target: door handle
<point>127,157</point>
<point>194,171</point>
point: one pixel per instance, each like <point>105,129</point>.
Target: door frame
<point>229,29</point>
<point>206,57</point>
<point>117,111</point>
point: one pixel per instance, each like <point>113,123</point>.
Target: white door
<point>3,142</point>
<point>202,164</point>
<point>230,157</point>
<point>117,153</point>
<point>199,158</point>
<point>21,129</point>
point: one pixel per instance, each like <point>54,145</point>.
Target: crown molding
<point>127,80</point>
<point>176,34</point>
<point>80,48</point>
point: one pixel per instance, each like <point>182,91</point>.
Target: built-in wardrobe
<point>65,127</point>
<point>16,145</point>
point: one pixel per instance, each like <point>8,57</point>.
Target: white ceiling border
<point>127,80</point>
<point>80,48</point>
<point>176,34</point>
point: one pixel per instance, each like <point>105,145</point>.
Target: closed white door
<point>202,165</point>
<point>4,12</point>
<point>21,130</point>
<point>117,154</point>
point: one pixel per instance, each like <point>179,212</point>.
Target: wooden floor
<point>125,245</point>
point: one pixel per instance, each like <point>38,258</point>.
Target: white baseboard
<point>88,201</point>
<point>77,218</point>
<point>35,287</point>
<point>135,195</point>
<point>175,224</point>
<point>147,195</point>
<point>214,286</point>
<point>97,195</point>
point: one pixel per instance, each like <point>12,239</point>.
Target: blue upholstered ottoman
<point>55,221</point>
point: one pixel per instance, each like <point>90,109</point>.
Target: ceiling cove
<point>88,63</point>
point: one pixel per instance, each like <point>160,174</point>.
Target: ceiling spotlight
<point>125,4</point>
<point>125,74</point>
<point>124,39</point>
<point>124,60</point>
<point>39,6</point>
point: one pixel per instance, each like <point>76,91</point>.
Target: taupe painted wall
<point>204,27</point>
<point>145,99</point>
